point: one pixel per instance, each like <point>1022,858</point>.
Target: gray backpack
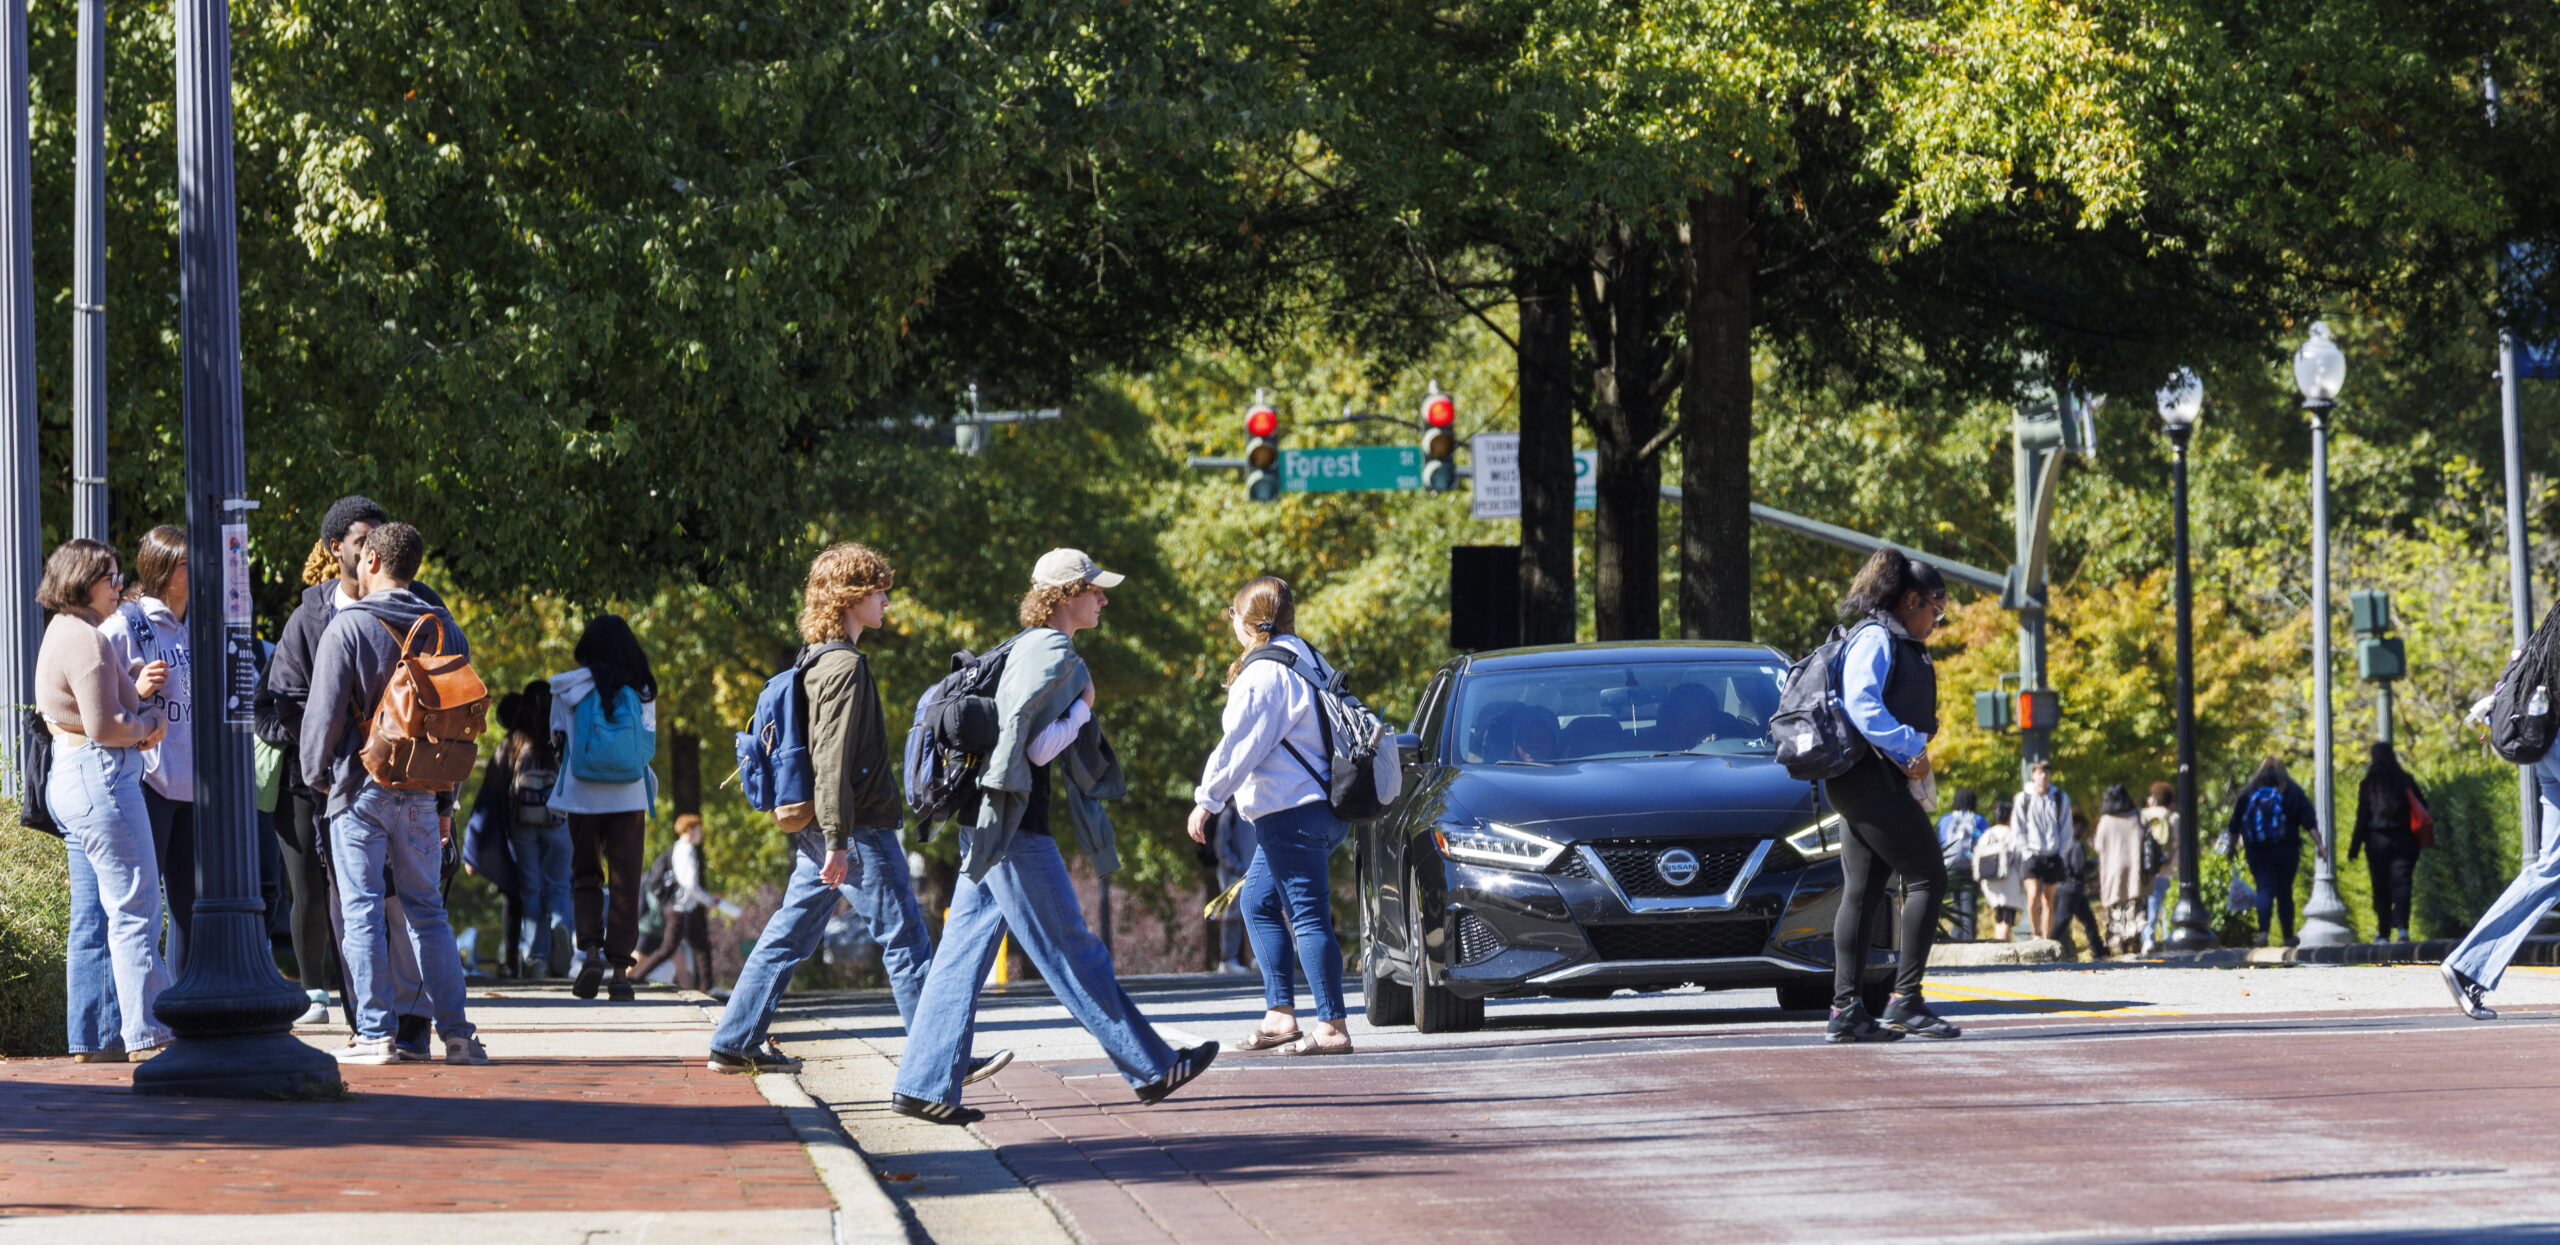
<point>1363,774</point>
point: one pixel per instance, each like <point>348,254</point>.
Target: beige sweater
<point>81,685</point>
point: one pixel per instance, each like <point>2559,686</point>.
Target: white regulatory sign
<point>1494,458</point>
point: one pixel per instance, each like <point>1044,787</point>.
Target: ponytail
<point>1267,607</point>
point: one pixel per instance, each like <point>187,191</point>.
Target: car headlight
<point>1496,844</point>
<point>1821,840</point>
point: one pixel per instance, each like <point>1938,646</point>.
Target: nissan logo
<point>1679,866</point>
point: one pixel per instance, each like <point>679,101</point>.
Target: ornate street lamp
<point>2191,927</point>
<point>2319,368</point>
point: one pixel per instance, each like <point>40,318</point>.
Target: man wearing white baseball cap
<point>1011,875</point>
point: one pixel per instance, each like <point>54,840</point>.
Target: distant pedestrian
<point>604,730</point>
<point>378,832</point>
<point>2160,821</point>
<point>98,708</point>
<point>2266,827</point>
<point>1232,845</point>
<point>849,852</point>
<point>150,625</point>
<point>1890,690</point>
<point>2392,827</point>
<point>1999,868</point>
<point>1272,762</point>
<point>515,792</point>
<point>1959,830</point>
<point>2077,890</point>
<point>687,909</point>
<point>2041,815</point>
<point>2127,861</point>
<point>1049,753</point>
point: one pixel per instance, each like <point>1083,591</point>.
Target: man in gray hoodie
<point>374,830</point>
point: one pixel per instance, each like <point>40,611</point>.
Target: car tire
<point>1805,996</point>
<point>1383,999</point>
<point>1436,1009</point>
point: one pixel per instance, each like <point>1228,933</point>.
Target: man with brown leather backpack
<point>390,730</point>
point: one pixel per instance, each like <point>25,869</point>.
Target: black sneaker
<point>409,1041</point>
<point>1852,1024</point>
<point>2467,994</point>
<point>985,1066</point>
<point>1187,1065</point>
<point>768,1058</point>
<point>619,989</point>
<point>590,975</point>
<point>1908,1013</point>
<point>934,1112</point>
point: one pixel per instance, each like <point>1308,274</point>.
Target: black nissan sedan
<point>1583,819</point>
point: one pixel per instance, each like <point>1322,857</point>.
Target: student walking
<point>1049,752</point>
<point>850,849</point>
<point>1890,690</point>
<point>2392,827</point>
<point>2126,864</point>
<point>98,708</point>
<point>1268,763</point>
<point>378,832</point>
<point>537,835</point>
<point>1999,868</point>
<point>687,907</point>
<point>2267,822</point>
<point>2042,816</point>
<point>2160,821</point>
<point>604,727</point>
<point>1232,844</point>
<point>150,625</point>
<point>1959,829</point>
<point>2072,896</point>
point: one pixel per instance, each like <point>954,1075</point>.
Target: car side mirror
<point>1408,747</point>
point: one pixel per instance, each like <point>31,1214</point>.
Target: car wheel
<point>1805,996</point>
<point>1436,1009</point>
<point>1382,998</point>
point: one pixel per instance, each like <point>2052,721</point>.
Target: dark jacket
<point>2382,812</point>
<point>350,665</point>
<point>857,789</point>
<point>2298,813</point>
<point>1911,682</point>
<point>287,686</point>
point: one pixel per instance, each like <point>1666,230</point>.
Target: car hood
<point>1636,796</point>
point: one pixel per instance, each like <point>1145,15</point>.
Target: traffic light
<point>2039,709</point>
<point>1261,451</point>
<point>1439,440</point>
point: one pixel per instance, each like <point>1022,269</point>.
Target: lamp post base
<point>2324,919</point>
<point>234,1019</point>
<point>2190,927</point>
<point>256,1065</point>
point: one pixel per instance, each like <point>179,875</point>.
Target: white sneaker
<point>1233,966</point>
<point>318,1012</point>
<point>367,1051</point>
<point>466,1051</point>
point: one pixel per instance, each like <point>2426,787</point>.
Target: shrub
<point>34,921</point>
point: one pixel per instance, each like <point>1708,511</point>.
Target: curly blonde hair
<point>1042,602</point>
<point>842,575</point>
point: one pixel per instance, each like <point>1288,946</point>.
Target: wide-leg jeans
<point>96,796</point>
<point>877,884</point>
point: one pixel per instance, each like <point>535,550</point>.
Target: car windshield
<point>1577,713</point>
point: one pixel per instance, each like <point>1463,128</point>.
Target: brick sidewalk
<point>536,1132</point>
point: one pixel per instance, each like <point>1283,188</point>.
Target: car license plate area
<point>1679,940</point>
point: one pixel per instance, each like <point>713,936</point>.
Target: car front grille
<point>1476,940</point>
<point>1679,940</point>
<point>1570,865</point>
<point>1631,862</point>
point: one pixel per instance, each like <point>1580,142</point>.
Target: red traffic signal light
<point>1261,421</point>
<point>2039,710</point>
<point>1439,410</point>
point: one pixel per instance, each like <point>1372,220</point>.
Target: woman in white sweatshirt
<point>150,625</point>
<point>1271,763</point>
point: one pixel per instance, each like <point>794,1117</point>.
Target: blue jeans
<point>2155,911</point>
<point>89,976</point>
<point>1288,898</point>
<point>2493,941</point>
<point>394,834</point>
<point>2271,870</point>
<point>96,795</point>
<point>876,883</point>
<point>1029,893</point>
<point>542,886</point>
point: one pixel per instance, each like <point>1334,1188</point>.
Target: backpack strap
<point>1288,660</point>
<point>139,623</point>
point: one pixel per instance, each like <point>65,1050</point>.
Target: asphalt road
<point>2153,1103</point>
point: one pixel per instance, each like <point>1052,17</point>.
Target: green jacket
<point>857,788</point>
<point>1042,676</point>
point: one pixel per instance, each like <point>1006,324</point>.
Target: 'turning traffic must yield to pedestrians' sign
<point>1497,476</point>
<point>1351,469</point>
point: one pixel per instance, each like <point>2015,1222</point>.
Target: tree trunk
<point>1546,453</point>
<point>1622,321</point>
<point>1715,423</point>
<point>684,763</point>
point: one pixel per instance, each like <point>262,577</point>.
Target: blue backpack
<point>774,771</point>
<point>2262,820</point>
<point>615,749</point>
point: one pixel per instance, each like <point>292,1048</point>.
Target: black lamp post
<point>231,1011</point>
<point>2319,368</point>
<point>2191,928</point>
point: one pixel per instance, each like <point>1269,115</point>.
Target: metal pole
<point>22,549</point>
<point>2033,745</point>
<point>2519,557</point>
<point>2324,919</point>
<point>2382,712</point>
<point>88,285</point>
<point>2191,927</point>
<point>231,1011</point>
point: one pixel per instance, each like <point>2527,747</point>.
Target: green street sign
<point>1352,469</point>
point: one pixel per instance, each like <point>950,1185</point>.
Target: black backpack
<point>2521,721</point>
<point>35,768</point>
<point>1363,773</point>
<point>659,880</point>
<point>1815,739</point>
<point>948,740</point>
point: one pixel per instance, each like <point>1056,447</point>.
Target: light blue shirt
<point>1862,674</point>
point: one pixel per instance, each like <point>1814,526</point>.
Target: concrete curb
<point>865,1213</point>
<point>2536,951</point>
<point>1985,954</point>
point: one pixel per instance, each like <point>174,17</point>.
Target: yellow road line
<point>2036,1002</point>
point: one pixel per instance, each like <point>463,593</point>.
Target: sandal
<point>1259,1040</point>
<point>1309,1046</point>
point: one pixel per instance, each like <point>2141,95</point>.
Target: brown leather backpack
<point>433,709</point>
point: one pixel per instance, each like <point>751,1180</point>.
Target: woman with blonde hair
<point>1270,762</point>
<point>97,707</point>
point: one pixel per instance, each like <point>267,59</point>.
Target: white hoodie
<point>568,795</point>
<point>1268,704</point>
<point>170,765</point>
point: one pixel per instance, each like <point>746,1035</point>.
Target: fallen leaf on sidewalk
<point>898,1177</point>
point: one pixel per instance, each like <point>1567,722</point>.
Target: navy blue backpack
<point>2262,820</point>
<point>774,771</point>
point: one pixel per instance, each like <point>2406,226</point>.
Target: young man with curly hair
<point>851,847</point>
